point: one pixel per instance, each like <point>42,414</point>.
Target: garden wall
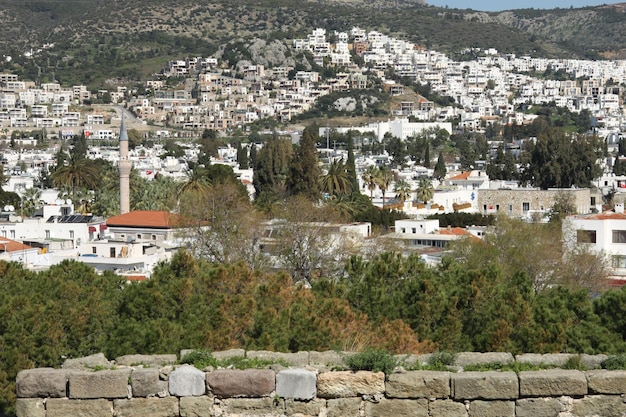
<point>153,385</point>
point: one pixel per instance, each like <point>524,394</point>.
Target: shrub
<point>575,362</point>
<point>614,363</point>
<point>200,359</point>
<point>203,358</point>
<point>375,360</point>
<point>441,360</point>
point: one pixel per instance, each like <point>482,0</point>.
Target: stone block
<point>252,407</point>
<point>230,353</point>
<point>153,407</point>
<point>63,407</point>
<point>146,360</point>
<point>100,384</point>
<point>197,407</point>
<point>292,359</point>
<point>328,358</point>
<point>552,382</point>
<point>599,405</point>
<point>418,384</point>
<point>343,407</point>
<point>88,362</point>
<point>145,382</point>
<point>296,383</point>
<point>477,358</point>
<point>350,384</point>
<point>42,382</point>
<point>593,361</point>
<point>538,407</point>
<point>485,385</point>
<point>446,408</point>
<point>492,409</point>
<point>304,408</point>
<point>227,383</point>
<point>187,381</point>
<point>397,408</point>
<point>30,407</point>
<point>606,382</point>
<point>553,359</point>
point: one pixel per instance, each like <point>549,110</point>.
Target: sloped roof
<point>145,218</point>
<point>8,245</point>
<point>456,231</point>
<point>462,176</point>
<point>607,215</point>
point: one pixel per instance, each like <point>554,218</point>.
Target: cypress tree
<point>427,155</point>
<point>350,165</point>
<point>304,171</point>
<point>242,156</point>
<point>440,168</point>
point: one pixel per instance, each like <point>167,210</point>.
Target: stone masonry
<point>310,388</point>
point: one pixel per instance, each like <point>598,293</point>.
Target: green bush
<point>375,360</point>
<point>203,358</point>
<point>575,362</point>
<point>614,363</point>
<point>441,360</point>
<point>200,359</point>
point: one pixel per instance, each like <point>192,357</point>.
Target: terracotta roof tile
<point>457,231</point>
<point>607,215</point>
<point>145,218</point>
<point>8,245</point>
<point>462,176</point>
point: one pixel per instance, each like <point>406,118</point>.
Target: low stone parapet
<point>311,389</point>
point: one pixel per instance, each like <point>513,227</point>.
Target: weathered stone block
<point>593,361</point>
<point>146,382</point>
<point>30,407</point>
<point>101,384</point>
<point>42,382</point>
<point>349,384</point>
<point>293,359</point>
<point>252,407</point>
<point>492,409</point>
<point>478,358</point>
<point>328,358</point>
<point>305,408</point>
<point>63,407</point>
<point>88,362</point>
<point>153,407</point>
<point>485,385</point>
<point>187,381</point>
<point>552,382</point>
<point>418,384</point>
<point>226,383</point>
<point>231,353</point>
<point>606,382</point>
<point>296,383</point>
<point>554,359</point>
<point>538,407</point>
<point>600,405</point>
<point>446,408</point>
<point>197,407</point>
<point>343,407</point>
<point>397,408</point>
<point>146,360</point>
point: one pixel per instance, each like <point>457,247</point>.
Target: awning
<point>92,229</point>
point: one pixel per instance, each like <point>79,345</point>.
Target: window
<point>593,201</point>
<point>112,252</point>
<point>525,207</point>
<point>47,234</point>
<point>413,230</point>
<point>153,237</point>
<point>618,261</point>
<point>71,234</point>
<point>586,236</point>
<point>510,208</point>
<point>619,236</point>
<point>12,234</point>
<point>403,230</point>
<point>138,235</point>
<point>93,250</point>
<point>497,207</point>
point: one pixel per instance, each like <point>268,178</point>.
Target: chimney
<point>619,208</point>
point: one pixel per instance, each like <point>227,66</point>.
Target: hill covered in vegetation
<point>95,39</point>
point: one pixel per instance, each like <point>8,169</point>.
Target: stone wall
<point>140,385</point>
<point>512,201</point>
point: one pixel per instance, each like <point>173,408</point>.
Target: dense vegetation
<point>390,302</point>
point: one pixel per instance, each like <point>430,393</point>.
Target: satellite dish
<point>9,208</point>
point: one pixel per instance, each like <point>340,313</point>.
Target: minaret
<point>125,165</point>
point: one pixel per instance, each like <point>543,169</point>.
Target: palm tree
<point>403,191</point>
<point>76,172</point>
<point>336,181</point>
<point>31,200</point>
<point>370,179</point>
<point>196,184</point>
<point>385,177</point>
<point>425,190</point>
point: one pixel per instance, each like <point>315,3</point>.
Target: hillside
<point>95,40</point>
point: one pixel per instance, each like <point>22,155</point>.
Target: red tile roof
<point>462,176</point>
<point>145,218</point>
<point>457,231</point>
<point>607,215</point>
<point>8,245</point>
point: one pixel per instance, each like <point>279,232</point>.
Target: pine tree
<point>304,170</point>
